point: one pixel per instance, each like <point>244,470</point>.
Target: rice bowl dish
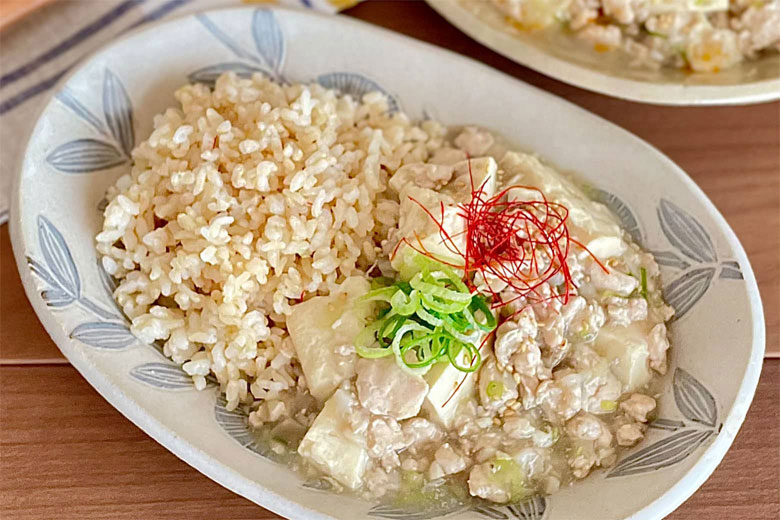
<point>60,208</point>
<point>402,310</point>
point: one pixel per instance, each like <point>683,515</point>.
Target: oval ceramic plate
<point>81,144</point>
<point>571,62</point>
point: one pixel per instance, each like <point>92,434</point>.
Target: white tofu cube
<point>627,351</point>
<point>331,445</point>
<point>323,331</point>
<point>448,389</point>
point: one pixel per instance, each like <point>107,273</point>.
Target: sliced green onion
<point>429,288</point>
<point>643,281</point>
<point>405,304</point>
<point>494,390</point>
<point>432,318</point>
<point>476,357</point>
<point>479,304</point>
<point>609,406</point>
<point>384,294</point>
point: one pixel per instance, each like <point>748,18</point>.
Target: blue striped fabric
<point>40,50</point>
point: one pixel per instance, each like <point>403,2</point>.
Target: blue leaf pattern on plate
<point>58,259</point>
<point>108,282</point>
<point>671,259</point>
<point>269,39</point>
<point>57,298</point>
<point>209,75</point>
<point>318,483</point>
<point>532,509</point>
<point>104,335</point>
<point>730,270</point>
<point>165,376</point>
<point>355,85</point>
<point>67,98</point>
<point>685,233</point>
<point>667,424</point>
<point>85,156</point>
<point>621,210</point>
<point>42,273</point>
<point>694,401</point>
<point>226,40</point>
<point>413,512</point>
<point>235,424</point>
<point>118,112</point>
<point>683,293</point>
<point>661,454</point>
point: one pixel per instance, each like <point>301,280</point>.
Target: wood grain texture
<point>22,337</point>
<point>66,453</point>
<point>13,10</point>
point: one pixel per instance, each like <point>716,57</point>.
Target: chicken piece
<point>585,426</point>
<point>450,460</point>
<point>561,398</point>
<point>614,281</point>
<point>419,432</point>
<point>448,156</point>
<point>603,37</point>
<point>629,434</point>
<point>657,346</point>
<point>499,480</point>
<point>323,330</point>
<point>591,444</point>
<point>512,334</point>
<point>384,436</point>
<point>431,176</point>
<point>759,29</point>
<point>331,444</point>
<point>474,141</point>
<point>518,427</point>
<point>385,389</point>
<point>533,462</point>
<point>620,10</point>
<point>496,387</point>
<point>637,406</point>
<point>712,50</point>
<point>623,312</point>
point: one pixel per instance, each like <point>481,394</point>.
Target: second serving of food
<point>408,311</point>
<point>700,35</point>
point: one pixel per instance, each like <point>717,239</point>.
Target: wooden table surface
<point>66,453</point>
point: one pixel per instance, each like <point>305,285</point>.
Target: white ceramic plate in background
<point>567,60</point>
<point>81,144</point>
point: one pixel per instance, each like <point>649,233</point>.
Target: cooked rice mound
<point>244,200</point>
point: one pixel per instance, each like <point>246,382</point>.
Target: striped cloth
<point>41,48</point>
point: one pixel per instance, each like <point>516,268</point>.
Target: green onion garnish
<point>433,318</point>
<point>609,406</point>
<point>643,281</point>
<point>494,390</point>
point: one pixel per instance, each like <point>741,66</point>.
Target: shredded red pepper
<point>522,243</point>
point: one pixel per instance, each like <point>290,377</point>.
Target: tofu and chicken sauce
<point>696,35</point>
<point>505,345</point>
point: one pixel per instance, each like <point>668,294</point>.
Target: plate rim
<point>664,94</point>
<point>256,491</point>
